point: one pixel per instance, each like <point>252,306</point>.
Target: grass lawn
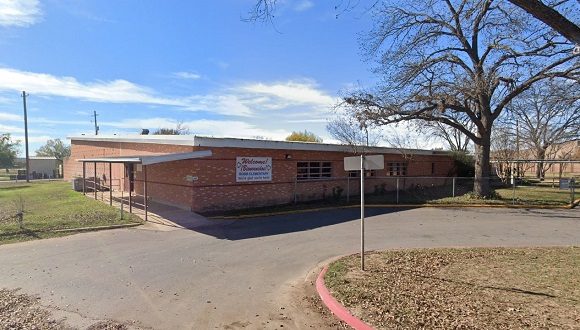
<point>51,206</point>
<point>525,195</point>
<point>477,288</point>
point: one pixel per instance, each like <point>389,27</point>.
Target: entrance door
<point>130,174</point>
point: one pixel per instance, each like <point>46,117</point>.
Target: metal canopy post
<point>84,178</point>
<point>95,179</point>
<point>130,194</point>
<point>362,212</point>
<point>145,189</point>
<point>110,184</point>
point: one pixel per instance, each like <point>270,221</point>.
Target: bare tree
<point>470,57</point>
<point>544,12</point>
<point>444,58</point>
<point>454,138</point>
<point>547,115</point>
<point>551,17</point>
<point>503,152</point>
<point>180,129</point>
<point>359,136</point>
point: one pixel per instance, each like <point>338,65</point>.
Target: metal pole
<point>572,191</point>
<point>95,179</point>
<point>513,187</point>
<point>347,187</point>
<point>397,190</point>
<point>362,213</point>
<point>110,184</point>
<point>84,178</point>
<point>453,186</point>
<point>96,126</point>
<point>122,197</point>
<point>145,189</point>
<point>295,187</point>
<point>26,136</point>
<point>130,193</point>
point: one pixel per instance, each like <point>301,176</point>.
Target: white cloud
<point>4,116</point>
<point>19,12</point>
<point>33,139</point>
<point>115,91</point>
<point>283,94</point>
<point>187,75</point>
<point>303,5</point>
<point>225,104</point>
<point>246,99</point>
<point>9,129</point>
<point>218,128</point>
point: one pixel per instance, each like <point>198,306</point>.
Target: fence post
<point>572,191</point>
<point>295,187</point>
<point>122,201</point>
<point>453,186</point>
<point>397,190</point>
<point>347,187</point>
<point>514,189</point>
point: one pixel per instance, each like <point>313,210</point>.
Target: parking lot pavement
<point>239,273</point>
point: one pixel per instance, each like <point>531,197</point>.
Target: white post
<point>453,186</point>
<point>513,187</point>
<point>362,213</point>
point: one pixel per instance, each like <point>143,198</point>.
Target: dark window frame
<point>397,168</point>
<point>313,170</point>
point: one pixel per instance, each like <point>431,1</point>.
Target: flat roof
<point>219,142</point>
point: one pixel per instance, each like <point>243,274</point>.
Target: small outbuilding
<point>42,167</point>
<point>208,174</point>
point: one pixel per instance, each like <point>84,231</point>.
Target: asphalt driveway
<point>240,274</point>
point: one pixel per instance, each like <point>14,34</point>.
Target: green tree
<point>8,150</point>
<point>305,136</point>
<point>54,148</point>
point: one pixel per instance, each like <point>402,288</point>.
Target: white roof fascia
<point>203,141</point>
<point>185,140</point>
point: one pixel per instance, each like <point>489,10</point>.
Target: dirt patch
<point>21,311</point>
<point>495,288</point>
<point>306,309</point>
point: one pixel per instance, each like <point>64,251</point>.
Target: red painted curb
<point>335,307</point>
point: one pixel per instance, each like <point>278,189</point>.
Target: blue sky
<point>151,64</point>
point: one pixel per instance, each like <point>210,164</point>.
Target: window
<point>313,170</point>
<point>397,169</point>
<point>432,168</point>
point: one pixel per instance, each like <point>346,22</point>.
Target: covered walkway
<point>124,198</point>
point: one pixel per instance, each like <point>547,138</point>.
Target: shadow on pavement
<point>283,224</point>
<point>239,229</point>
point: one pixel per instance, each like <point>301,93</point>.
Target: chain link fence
<point>433,190</point>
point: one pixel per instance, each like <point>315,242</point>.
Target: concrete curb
<point>504,206</point>
<point>335,307</point>
<point>68,230</point>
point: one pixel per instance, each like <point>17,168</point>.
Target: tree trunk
<point>481,184</point>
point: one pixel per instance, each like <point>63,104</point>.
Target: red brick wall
<point>216,188</point>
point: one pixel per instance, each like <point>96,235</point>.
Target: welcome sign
<point>250,169</point>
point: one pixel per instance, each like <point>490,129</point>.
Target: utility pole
<point>96,126</point>
<point>26,136</point>
<point>518,146</point>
